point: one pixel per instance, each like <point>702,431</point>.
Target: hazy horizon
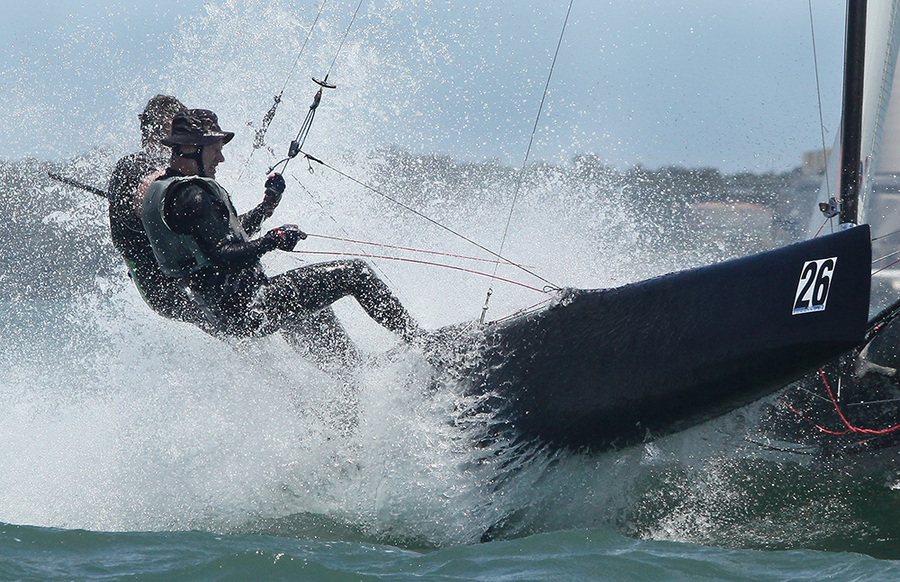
<point>654,83</point>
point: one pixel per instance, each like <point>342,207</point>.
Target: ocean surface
<point>30,553</point>
<point>132,447</point>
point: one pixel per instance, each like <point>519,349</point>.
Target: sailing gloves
<point>274,189</point>
<point>284,237</point>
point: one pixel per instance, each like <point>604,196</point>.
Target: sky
<point>700,83</point>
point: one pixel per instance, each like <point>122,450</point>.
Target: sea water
<point>133,447</point>
<point>52,554</point>
<point>137,446</point>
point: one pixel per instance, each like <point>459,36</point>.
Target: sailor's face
<point>212,157</point>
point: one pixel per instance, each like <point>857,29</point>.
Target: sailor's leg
<point>321,337</point>
<point>316,286</point>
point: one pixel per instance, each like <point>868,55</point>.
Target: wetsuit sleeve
<point>252,220</point>
<point>123,184</point>
<point>192,210</point>
<point>122,179</point>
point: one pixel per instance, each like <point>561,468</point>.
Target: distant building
<point>815,162</point>
<point>739,227</point>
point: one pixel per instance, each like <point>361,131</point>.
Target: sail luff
<point>879,193</point>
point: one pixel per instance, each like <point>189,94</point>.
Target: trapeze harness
<point>221,293</point>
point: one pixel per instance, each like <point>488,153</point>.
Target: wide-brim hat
<point>197,127</point>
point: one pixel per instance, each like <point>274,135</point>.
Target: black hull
<point>612,367</point>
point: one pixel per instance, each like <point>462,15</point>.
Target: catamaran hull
<point>612,367</point>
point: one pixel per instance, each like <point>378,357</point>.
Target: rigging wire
<point>827,220</point>
<point>400,248</point>
<point>523,310</point>
<point>888,266</point>
<point>296,146</point>
<point>549,285</point>
<point>383,274</point>
<point>299,141</point>
<point>344,38</point>
<point>525,160</point>
<point>877,238</point>
<point>885,257</point>
<point>259,140</point>
<point>340,227</point>
<point>416,261</point>
<point>850,427</point>
<point>812,29</point>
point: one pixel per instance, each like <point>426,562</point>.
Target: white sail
<point>880,188</point>
<point>880,150</point>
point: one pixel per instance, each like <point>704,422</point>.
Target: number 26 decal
<point>814,284</point>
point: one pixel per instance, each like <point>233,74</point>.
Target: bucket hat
<point>197,127</point>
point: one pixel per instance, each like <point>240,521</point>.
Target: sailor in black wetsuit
<point>199,241</point>
<point>127,186</point>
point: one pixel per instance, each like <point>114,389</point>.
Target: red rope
<point>821,428</point>
<point>362,242</point>
<point>886,267</point>
<point>850,427</point>
<point>420,263</point>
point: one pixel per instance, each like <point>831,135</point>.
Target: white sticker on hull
<point>813,287</point>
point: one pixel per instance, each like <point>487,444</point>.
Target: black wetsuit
<point>243,301</point>
<point>161,293</point>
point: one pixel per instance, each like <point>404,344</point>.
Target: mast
<point>851,119</point>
